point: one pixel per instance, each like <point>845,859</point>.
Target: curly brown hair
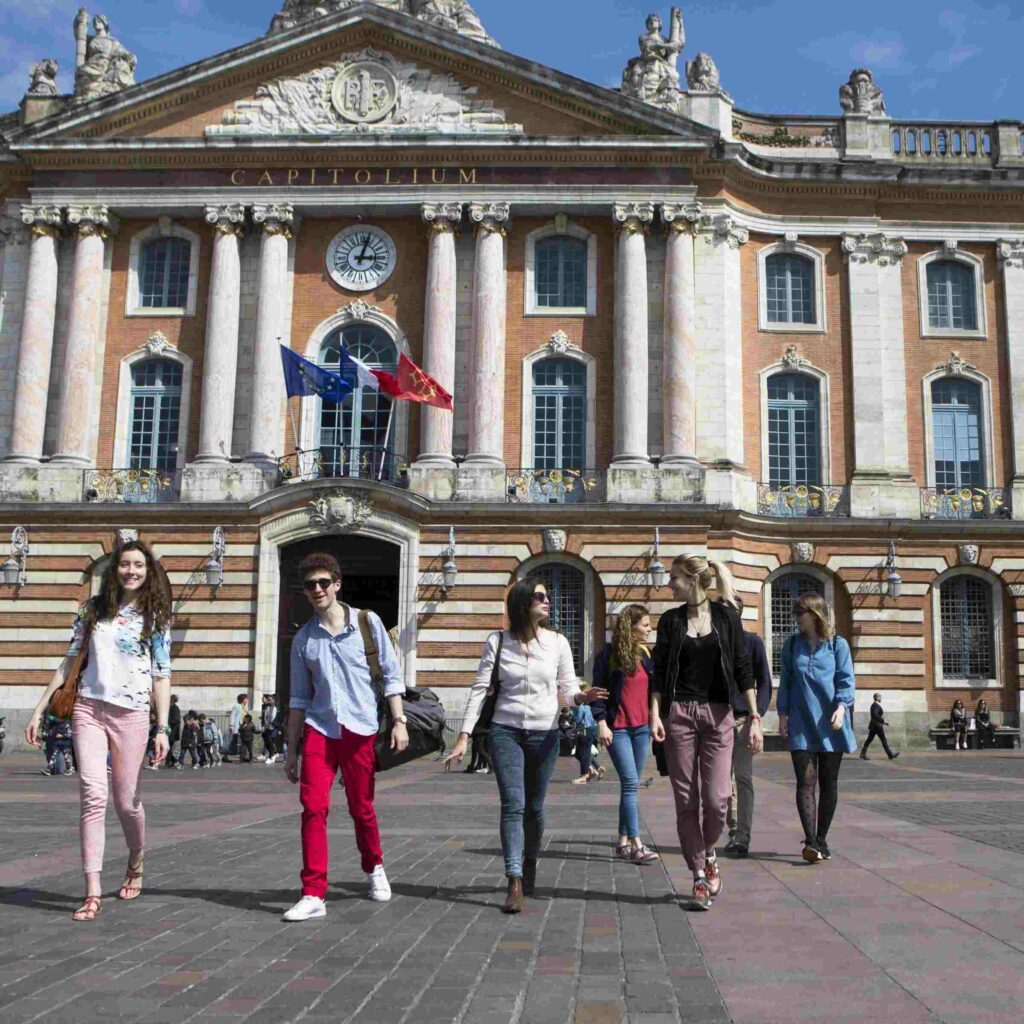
<point>626,648</point>
<point>154,598</point>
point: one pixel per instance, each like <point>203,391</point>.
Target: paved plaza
<point>919,917</point>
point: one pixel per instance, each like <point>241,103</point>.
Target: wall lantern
<point>215,565</point>
<point>13,569</point>
<point>656,571</point>
<point>449,571</point>
<point>893,580</point>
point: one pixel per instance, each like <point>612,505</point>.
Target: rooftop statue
<point>454,15</point>
<point>43,78</point>
<point>860,95</point>
<point>653,76</point>
<point>107,66</point>
<point>702,74</point>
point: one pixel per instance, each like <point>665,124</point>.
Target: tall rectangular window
<point>951,297</point>
<point>560,272</point>
<point>164,272</point>
<point>155,415</point>
<point>956,433</point>
<point>789,289</point>
<point>559,414</point>
<point>968,643</point>
<point>793,430</point>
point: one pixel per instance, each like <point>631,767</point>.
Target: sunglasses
<point>322,583</point>
<point>540,599</point>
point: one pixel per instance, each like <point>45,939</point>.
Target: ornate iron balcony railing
<point>801,501</point>
<point>360,462</point>
<point>965,503</point>
<point>131,486</point>
<point>537,486</point>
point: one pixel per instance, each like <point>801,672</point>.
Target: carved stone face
<point>101,25</point>
<point>654,23</point>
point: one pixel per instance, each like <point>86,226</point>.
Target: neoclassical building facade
<point>668,324</point>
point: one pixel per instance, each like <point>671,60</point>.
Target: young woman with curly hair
<point>128,663</point>
<point>623,668</point>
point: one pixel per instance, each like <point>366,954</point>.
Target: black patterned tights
<point>815,769</point>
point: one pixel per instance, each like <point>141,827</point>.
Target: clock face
<point>361,257</point>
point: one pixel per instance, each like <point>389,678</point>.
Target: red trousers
<point>321,759</point>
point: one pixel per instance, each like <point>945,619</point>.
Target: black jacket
<point>611,679</point>
<point>725,621</point>
<point>762,676</point>
<point>174,722</point>
<point>877,715</point>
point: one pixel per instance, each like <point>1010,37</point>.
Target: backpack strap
<point>372,653</point>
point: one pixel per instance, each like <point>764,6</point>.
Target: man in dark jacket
<point>877,728</point>
<point>174,724</point>
<point>741,803</point>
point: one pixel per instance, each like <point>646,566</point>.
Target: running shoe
<point>714,877</point>
<point>700,899</point>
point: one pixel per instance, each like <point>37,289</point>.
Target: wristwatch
<point>165,729</point>
<point>399,720</point>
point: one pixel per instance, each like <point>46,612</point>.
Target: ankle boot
<point>529,875</point>
<point>514,899</point>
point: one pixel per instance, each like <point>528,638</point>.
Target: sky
<point>934,59</point>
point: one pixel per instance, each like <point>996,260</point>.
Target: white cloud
<point>883,51</point>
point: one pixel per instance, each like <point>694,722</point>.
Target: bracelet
<point>755,717</point>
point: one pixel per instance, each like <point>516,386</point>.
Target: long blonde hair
<point>626,648</point>
<point>817,606</point>
<point>708,574</point>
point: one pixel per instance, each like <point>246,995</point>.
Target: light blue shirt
<point>811,686</point>
<point>331,680</point>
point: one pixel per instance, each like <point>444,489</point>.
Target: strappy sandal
<point>89,910</point>
<point>132,874</point>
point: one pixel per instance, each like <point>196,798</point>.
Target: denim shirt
<point>331,679</point>
<point>812,685</point>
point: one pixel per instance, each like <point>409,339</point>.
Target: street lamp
<point>449,571</point>
<point>893,581</point>
<point>13,569</point>
<point>656,571</point>
<point>215,565</point>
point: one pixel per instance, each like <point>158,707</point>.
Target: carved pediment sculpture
<point>339,511</point>
<point>860,95</point>
<point>654,76</point>
<point>453,15</point>
<point>43,78</point>
<point>364,92</point>
<point>105,66</point>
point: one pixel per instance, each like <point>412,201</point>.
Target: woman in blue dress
<point>815,705</point>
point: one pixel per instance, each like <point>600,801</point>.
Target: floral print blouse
<point>121,666</point>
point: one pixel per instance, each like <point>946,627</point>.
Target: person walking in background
<point>217,741</point>
<point>815,704</point>
<point>583,751</point>
<point>237,713</point>
<point>246,736</point>
<point>174,724</point>
<point>190,741</point>
<point>876,727</point>
<point>741,800</point>
<point>333,710</point>
<point>623,668</point>
<point>958,722</point>
<point>268,725</point>
<point>700,663</point>
<point>985,730</point>
<point>534,670</point>
<point>205,738</point>
<point>127,629</point>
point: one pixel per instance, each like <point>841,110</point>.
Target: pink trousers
<point>96,728</point>
<point>698,748</point>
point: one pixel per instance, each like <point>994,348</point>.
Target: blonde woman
<point>815,704</point>
<point>623,668</point>
<point>700,664</point>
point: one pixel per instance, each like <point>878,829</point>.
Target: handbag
<point>425,728</point>
<point>482,729</point>
<point>62,703</point>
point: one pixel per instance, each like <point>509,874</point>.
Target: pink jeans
<point>698,748</point>
<point>97,726</point>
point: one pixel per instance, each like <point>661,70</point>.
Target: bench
<point>1005,736</point>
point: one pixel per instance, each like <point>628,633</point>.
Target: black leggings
<point>814,770</point>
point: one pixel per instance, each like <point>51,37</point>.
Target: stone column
<point>630,334</point>
<point>718,324</point>
<point>266,422</point>
<point>94,224</point>
<point>485,464</point>
<point>1011,261</point>
<point>35,348</point>
<point>881,484</point>
<point>433,473</point>
<point>220,360</point>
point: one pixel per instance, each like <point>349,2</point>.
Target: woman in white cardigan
<point>536,677</point>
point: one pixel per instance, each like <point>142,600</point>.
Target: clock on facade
<point>361,257</point>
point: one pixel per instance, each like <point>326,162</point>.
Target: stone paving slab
<point>909,922</point>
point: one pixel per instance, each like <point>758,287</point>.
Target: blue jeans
<point>628,752</point>
<point>523,761</point>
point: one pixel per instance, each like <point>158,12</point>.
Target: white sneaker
<point>380,889</point>
<point>306,909</point>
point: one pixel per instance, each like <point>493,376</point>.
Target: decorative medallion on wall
<point>364,92</point>
<point>968,554</point>
<point>554,541</point>
<point>126,536</point>
<point>339,511</point>
<point>361,257</point>
<point>803,551</point>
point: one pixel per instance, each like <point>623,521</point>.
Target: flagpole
<point>387,440</point>
<point>295,429</point>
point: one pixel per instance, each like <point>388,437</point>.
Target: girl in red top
<point>623,668</point>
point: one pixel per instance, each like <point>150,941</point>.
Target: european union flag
<point>301,377</point>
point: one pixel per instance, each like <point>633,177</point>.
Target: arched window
<point>789,289</point>
<point>164,273</point>
<point>956,429</point>
<point>560,274</point>
<point>794,430</point>
<point>559,414</point>
<point>155,415</point>
<point>952,303</point>
<point>565,584</point>
<point>967,628</point>
<point>356,438</point>
<point>785,590</point>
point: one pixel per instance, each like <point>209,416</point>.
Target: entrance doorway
<point>370,570</point>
